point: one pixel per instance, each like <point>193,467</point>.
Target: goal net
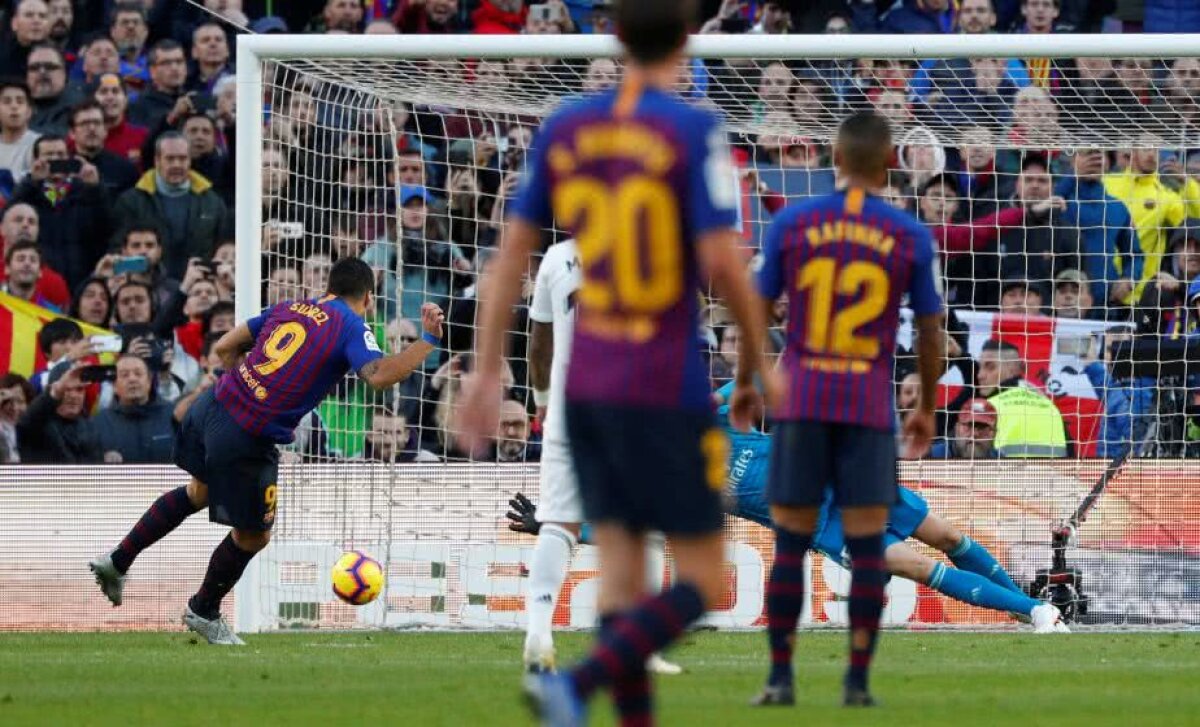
<point>1060,188</point>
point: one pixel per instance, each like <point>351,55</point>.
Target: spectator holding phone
<point>137,428</point>
<point>55,428</point>
<point>178,201</point>
<point>140,259</point>
<point>72,208</point>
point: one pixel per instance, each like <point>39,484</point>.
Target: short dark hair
<point>164,46</point>
<point>57,331</point>
<point>865,143</point>
<point>20,246</point>
<point>141,227</point>
<point>651,30</point>
<point>351,278</point>
<point>127,6</point>
<point>7,83</point>
<point>45,139</point>
<point>997,346</point>
<point>88,104</point>
<point>98,37</point>
<point>1035,160</point>
<point>191,117</point>
<point>220,308</point>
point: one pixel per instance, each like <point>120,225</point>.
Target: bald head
<point>19,223</point>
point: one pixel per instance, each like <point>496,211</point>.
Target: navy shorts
<point>649,469</point>
<point>807,457</point>
<point>240,469</point>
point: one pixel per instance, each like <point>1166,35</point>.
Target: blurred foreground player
<point>644,183</point>
<point>298,351</point>
<point>846,260</point>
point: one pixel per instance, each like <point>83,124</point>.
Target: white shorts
<point>558,498</point>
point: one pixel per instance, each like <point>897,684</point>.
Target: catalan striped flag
<point>20,322</point>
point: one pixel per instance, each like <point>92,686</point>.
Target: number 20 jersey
<point>636,176</point>
<point>846,261</point>
<point>302,349</point>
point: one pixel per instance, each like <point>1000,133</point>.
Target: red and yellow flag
<point>20,322</point>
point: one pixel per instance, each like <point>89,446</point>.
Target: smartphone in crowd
<point>542,12</point>
<point>106,344</point>
<point>131,264</point>
<point>67,167</point>
<point>98,374</point>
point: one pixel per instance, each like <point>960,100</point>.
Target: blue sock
<point>973,557</point>
<point>976,590</point>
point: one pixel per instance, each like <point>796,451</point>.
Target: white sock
<point>656,561</point>
<point>547,571</point>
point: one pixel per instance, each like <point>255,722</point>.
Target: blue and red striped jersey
<point>847,261</point>
<point>302,349</point>
<point>637,176</point>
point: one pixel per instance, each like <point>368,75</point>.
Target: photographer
<point>137,428</point>
<point>72,209</point>
<point>173,370</point>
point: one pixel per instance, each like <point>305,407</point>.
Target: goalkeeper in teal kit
<point>976,578</point>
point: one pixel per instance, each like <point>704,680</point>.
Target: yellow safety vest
<point>1028,424</point>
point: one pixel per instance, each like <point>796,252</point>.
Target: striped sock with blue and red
<point>622,649</point>
<point>166,514</point>
<point>631,694</point>
<point>785,602</point>
<point>867,581</point>
<point>225,568</point>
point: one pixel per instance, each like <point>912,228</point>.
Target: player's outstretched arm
<point>230,347</point>
<point>387,371</point>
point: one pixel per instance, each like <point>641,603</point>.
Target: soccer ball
<point>357,578</point>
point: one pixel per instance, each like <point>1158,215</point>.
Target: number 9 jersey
<point>302,349</point>
<point>637,176</point>
<point>846,260</point>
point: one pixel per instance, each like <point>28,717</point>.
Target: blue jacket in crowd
<point>1106,233</point>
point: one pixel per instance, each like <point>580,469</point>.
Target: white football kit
<point>559,276</point>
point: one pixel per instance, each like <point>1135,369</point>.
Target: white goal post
<point>439,528</point>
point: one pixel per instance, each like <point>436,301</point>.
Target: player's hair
<point>57,331</point>
<point>651,30</point>
<point>351,278</point>
<point>864,143</point>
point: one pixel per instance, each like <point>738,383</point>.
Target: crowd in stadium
<point>117,201</point>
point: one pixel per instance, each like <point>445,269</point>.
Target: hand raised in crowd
<point>183,108</point>
<point>140,347</point>
<point>71,378</point>
<point>1119,290</point>
<point>80,349</point>
<point>1166,282</point>
<point>39,170</point>
<point>196,271</point>
<point>88,174</point>
<point>432,319</point>
<point>1041,207</point>
<point>105,266</point>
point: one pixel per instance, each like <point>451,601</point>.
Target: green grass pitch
<point>428,679</point>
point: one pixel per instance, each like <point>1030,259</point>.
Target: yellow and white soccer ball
<point>357,578</point>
